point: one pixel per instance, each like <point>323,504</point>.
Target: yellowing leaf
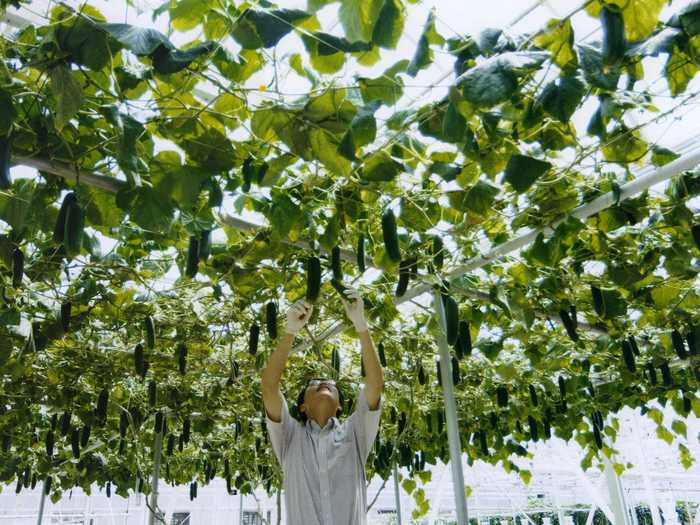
<point>558,38</point>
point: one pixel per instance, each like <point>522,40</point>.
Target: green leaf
<point>240,67</point>
<point>7,113</point>
<point>166,61</point>
<point>256,29</point>
<point>624,145</point>
<point>613,303</point>
<point>454,125</point>
<point>380,167</point>
<point>358,18</point>
<point>387,88</point>
<point>591,59</point>
<point>389,26</point>
<point>86,43</point>
<point>688,19</point>
<point>664,434</point>
<point>522,171</point>
<point>641,17</point>
<point>423,56</point>
<point>284,215</point>
<point>327,52</point>
<point>661,42</point>
<point>67,93</point>
<point>186,15</point>
<point>325,146</point>
<point>478,199</point>
<point>680,70</point>
<point>666,294</point>
<point>661,156</point>
<point>558,38</point>
<point>680,428</point>
<point>362,131</point>
<point>212,149</point>
<point>141,42</point>
<point>562,97</point>
<point>496,79</point>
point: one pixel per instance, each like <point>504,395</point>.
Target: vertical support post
<point>397,494</point>
<point>617,496</point>
<point>157,450</point>
<point>450,413</point>
<point>646,478</point>
<point>42,502</point>
<point>240,510</point>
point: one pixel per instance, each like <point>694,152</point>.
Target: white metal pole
<point>450,413</point>
<point>397,494</point>
<point>646,478</point>
<point>42,502</point>
<point>156,475</point>
<point>240,510</point>
<point>616,494</point>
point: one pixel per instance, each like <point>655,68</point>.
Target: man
<point>322,459</point>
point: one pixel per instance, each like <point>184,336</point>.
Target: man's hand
<point>355,309</point>
<point>297,316</point>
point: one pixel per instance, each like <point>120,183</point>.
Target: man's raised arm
<point>297,316</point>
<point>374,375</point>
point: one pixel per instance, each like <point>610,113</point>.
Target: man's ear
<point>302,408</point>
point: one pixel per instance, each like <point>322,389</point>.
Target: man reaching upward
<point>323,459</point>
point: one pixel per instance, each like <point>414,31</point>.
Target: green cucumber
<point>150,332</point>
<point>438,253</point>
<point>335,362</point>
<point>152,393</point>
<point>382,356</point>
<point>452,319</point>
<point>186,429</point>
<point>336,267</point>
<point>532,424</point>
<point>253,337</point>
<point>651,371</point>
<point>695,231</point>
<point>598,303</point>
<point>678,344</point>
<point>75,443</point>
<point>204,248</point>
<point>123,424</point>
<point>17,267</point>
<point>463,345</point>
<point>390,235</point>
<point>182,357</point>
<point>437,370</point>
<point>361,253</point>
<point>633,343</point>
<point>666,374</point>
<point>5,155</point>
<point>65,423</point>
<point>271,319</point>
<point>60,227</point>
<point>313,278</point>
<point>568,323</point>
<point>404,277</point>
<point>139,360</point>
<point>614,42</point>
<point>101,408</point>
<point>456,376</point>
<point>171,445</point>
<point>628,356</point>
<point>422,378</point>
<point>502,396</point>
<point>192,258</point>
<point>65,316</point>
<point>158,423</point>
<point>85,436</point>
<point>597,437</point>
<point>533,396</point>
<point>73,233</point>
<point>562,386</point>
<point>49,443</point>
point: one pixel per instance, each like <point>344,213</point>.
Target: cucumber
<point>47,485</point>
<point>108,489</point>
<point>85,436</point>
<point>401,422</point>
<point>652,374</point>
<point>150,332</point>
<point>502,396</point>
<point>186,430</point>
<point>73,233</point>
<point>614,42</point>
<point>455,371</point>
<point>568,324</point>
<point>633,343</point>
<point>562,386</point>
<point>335,362</point>
<point>336,267</point>
<point>382,356</point>
<point>192,265</point>
<point>101,409</point>
<point>437,370</point>
<point>493,419</point>
<point>452,319</point>
<point>17,267</point>
<point>573,315</point>
<point>482,443</point>
<point>678,344</point>
<point>695,231</point>
<point>429,422</point>
<point>65,423</point>
<point>204,248</point>
<point>5,155</point>
<point>532,424</point>
<point>139,360</point>
<point>628,356</point>
<point>49,443</point>
<point>421,374</point>
<point>60,227</point>
<point>463,345</point>
<point>158,423</point>
<point>182,357</point>
<point>691,341</point>
<point>65,316</point>
<point>687,404</point>
<point>313,278</point>
<point>170,448</point>
<point>361,253</point>
<point>438,253</point>
<point>123,424</point>
<point>362,368</point>
<point>75,443</point>
<point>547,428</point>
<point>597,437</point>
<point>54,421</point>
<point>404,277</point>
<point>271,319</point>
<point>598,303</point>
<point>533,396</point>
<point>152,393</point>
<point>390,235</point>
<point>666,374</point>
<point>253,337</point>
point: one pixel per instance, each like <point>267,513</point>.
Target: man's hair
<point>300,401</point>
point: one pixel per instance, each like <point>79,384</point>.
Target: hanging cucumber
<point>452,319</point>
<point>651,371</point>
<point>253,338</point>
<point>438,253</point>
<point>463,345</point>
<point>533,396</point>
<point>152,393</point>
<point>678,344</point>
<point>695,230</point>
<point>139,360</point>
<point>101,408</point>
<point>502,396</point>
<point>614,42</point>
<point>666,374</point>
<point>598,303</point>
<point>628,356</point>
<point>437,370</point>
<point>361,253</point>
<point>532,424</point>
<point>48,443</point>
<point>65,423</point>
<point>158,423</point>
<point>186,430</point>
<point>633,343</point>
<point>422,378</point>
<point>75,443</point>
<point>65,316</point>
<point>85,436</point>
<point>404,277</point>
<point>562,386</point>
<point>391,237</point>
<point>150,332</point>
<point>192,258</point>
<point>182,357</point>
<point>568,323</point>
<point>73,234</point>
<point>336,267</point>
<point>690,340</point>
<point>382,356</point>
<point>335,362</point>
<point>313,278</point>
<point>271,319</point>
<point>17,267</point>
<point>60,227</point>
<point>5,155</point>
<point>456,377</point>
<point>597,437</point>
<point>123,424</point>
<point>204,248</point>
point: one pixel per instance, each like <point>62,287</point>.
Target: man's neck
<point>322,421</point>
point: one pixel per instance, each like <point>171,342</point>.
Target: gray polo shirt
<point>324,468</point>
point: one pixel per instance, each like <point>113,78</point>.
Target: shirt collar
<point>332,423</point>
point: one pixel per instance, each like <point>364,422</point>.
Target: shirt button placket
<point>325,485</point>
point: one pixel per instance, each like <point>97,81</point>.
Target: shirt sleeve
<point>365,423</point>
<point>281,433</point>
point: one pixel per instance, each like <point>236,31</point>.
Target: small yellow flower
<point>262,87</point>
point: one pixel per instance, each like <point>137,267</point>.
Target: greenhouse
<point>511,187</point>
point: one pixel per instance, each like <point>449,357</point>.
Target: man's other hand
<point>297,316</point>
<point>355,309</point>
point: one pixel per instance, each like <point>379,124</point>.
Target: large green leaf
<point>167,61</point>
<point>359,18</point>
<point>688,19</point>
<point>423,56</point>
<point>211,149</point>
<point>67,93</point>
<point>387,88</point>
<point>324,146</point>
<point>380,167</point>
<point>362,131</point>
<point>477,199</point>
<point>522,171</point>
<point>496,79</point>
<point>255,29</point>
<point>389,26</point>
<point>558,38</point>
<point>591,59</point>
<point>85,42</point>
<point>561,98</point>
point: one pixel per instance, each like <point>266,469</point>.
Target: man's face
<point>320,392</point>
